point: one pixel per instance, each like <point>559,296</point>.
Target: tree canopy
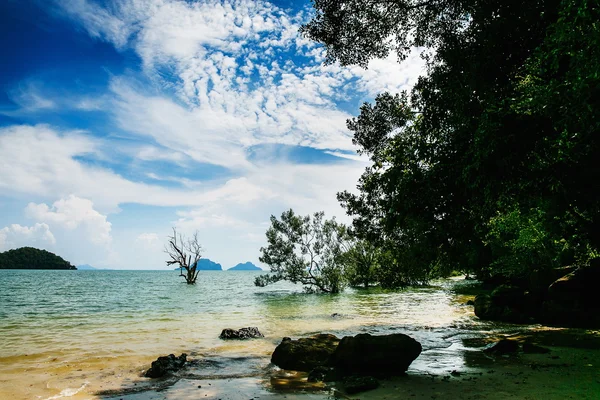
<point>31,258</point>
<point>489,163</point>
<point>305,249</point>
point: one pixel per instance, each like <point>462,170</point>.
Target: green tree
<point>307,250</point>
<point>361,262</point>
<point>503,124</point>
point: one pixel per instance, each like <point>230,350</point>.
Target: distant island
<point>247,266</point>
<point>207,265</point>
<point>31,258</point>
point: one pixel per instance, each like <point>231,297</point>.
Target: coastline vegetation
<point>31,258</point>
<point>488,165</point>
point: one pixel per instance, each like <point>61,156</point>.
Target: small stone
<point>241,334</point>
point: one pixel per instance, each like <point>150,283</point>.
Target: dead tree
<point>184,253</point>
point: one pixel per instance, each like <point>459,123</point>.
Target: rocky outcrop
<point>572,300</point>
<point>241,334</point>
<point>323,374</point>
<point>506,303</point>
<point>305,354</point>
<point>165,365</point>
<point>366,355</point>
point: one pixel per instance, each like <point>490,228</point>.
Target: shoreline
<point>570,370</point>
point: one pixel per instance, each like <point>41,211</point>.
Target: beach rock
<point>572,299</point>
<point>165,365</point>
<point>243,333</point>
<point>506,303</point>
<point>508,296</point>
<point>305,354</point>
<point>384,355</point>
<point>540,280</point>
<point>356,384</point>
<point>531,348</point>
<point>504,346</point>
<point>323,374</point>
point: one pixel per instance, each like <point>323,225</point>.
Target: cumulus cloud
<point>234,77</point>
<point>71,213</point>
<point>217,78</point>
<point>15,236</point>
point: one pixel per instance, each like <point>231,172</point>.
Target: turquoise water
<point>75,333</point>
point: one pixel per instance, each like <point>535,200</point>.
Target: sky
<point>123,119</point>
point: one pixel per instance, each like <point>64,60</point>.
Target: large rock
<point>384,355</point>
<point>506,303</point>
<point>165,365</point>
<point>573,299</point>
<point>242,333</point>
<point>508,296</point>
<point>540,280</point>
<point>304,354</point>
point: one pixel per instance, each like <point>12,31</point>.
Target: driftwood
<point>185,253</point>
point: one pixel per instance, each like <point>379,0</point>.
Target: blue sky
<point>120,119</point>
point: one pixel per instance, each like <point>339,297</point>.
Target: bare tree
<point>184,253</point>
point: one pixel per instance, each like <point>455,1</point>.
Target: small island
<point>32,258</point>
<point>247,266</point>
<point>205,264</point>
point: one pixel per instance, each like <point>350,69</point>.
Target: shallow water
<point>73,334</point>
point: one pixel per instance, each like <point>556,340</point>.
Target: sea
<point>92,334</point>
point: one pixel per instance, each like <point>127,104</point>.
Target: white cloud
<point>71,213</point>
<point>29,98</point>
<point>218,77</point>
<point>148,240</point>
<point>213,49</point>
<point>99,22</point>
<point>15,236</point>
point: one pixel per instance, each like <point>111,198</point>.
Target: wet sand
<point>570,371</point>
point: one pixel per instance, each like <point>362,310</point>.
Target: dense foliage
<point>489,165</point>
<point>30,258</point>
<point>305,249</point>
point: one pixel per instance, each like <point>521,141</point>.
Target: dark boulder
<point>540,280</point>
<point>304,354</point>
<point>243,333</point>
<point>508,296</point>
<point>384,355</point>
<point>323,374</point>
<point>165,365</point>
<point>356,384</point>
<point>506,303</point>
<point>573,300</point>
<point>504,346</point>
